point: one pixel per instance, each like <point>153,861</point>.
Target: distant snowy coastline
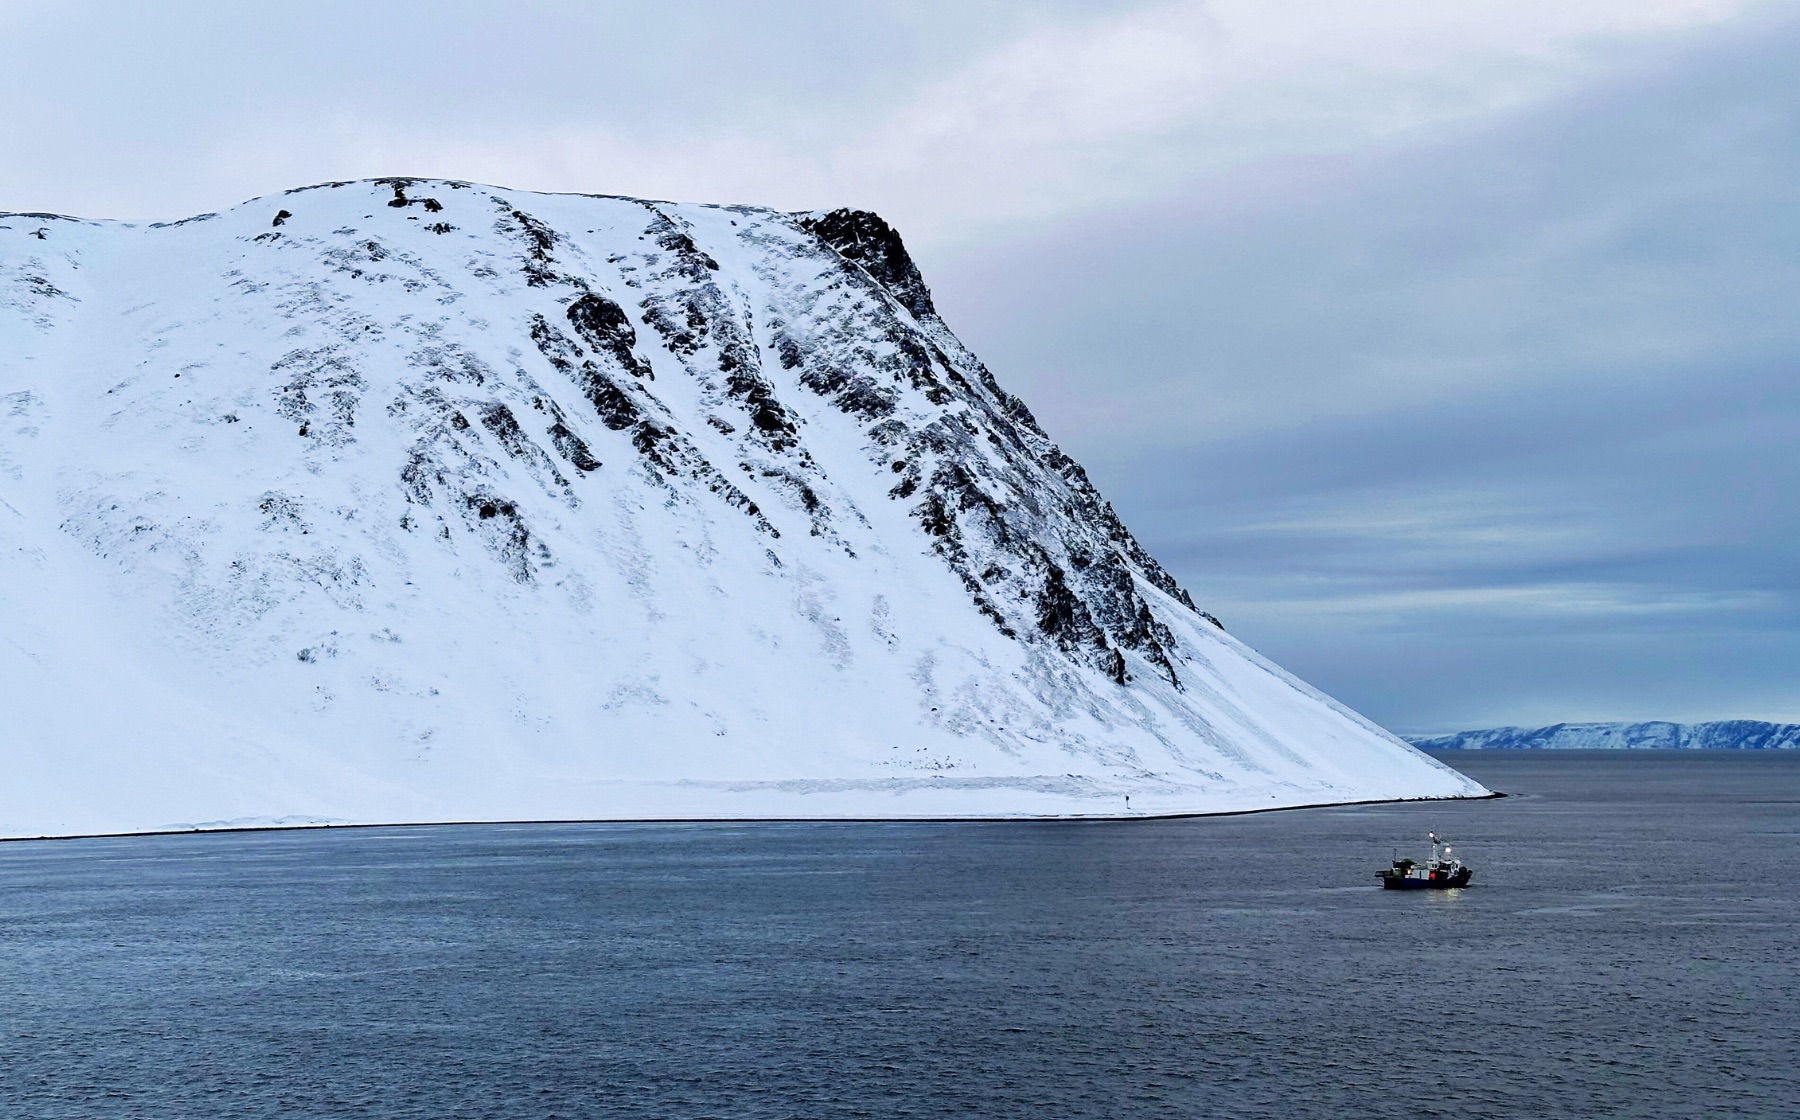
<point>1725,734</point>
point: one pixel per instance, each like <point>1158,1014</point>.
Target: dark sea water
<point>1630,948</point>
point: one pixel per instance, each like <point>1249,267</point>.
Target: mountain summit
<point>416,500</point>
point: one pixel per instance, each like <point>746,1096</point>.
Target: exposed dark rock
<point>691,312</point>
<point>281,511</point>
<point>321,393</point>
<point>44,289</point>
<point>800,492</point>
<point>863,237</point>
<point>538,238</point>
<point>1113,665</point>
<point>603,325</point>
<point>1061,613</point>
<point>502,529</point>
<point>500,422</point>
<point>662,448</point>
<point>571,447</point>
<point>184,221</point>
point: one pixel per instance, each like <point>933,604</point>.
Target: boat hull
<point>1392,882</point>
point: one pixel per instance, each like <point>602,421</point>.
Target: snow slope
<point>1725,734</point>
<point>419,500</point>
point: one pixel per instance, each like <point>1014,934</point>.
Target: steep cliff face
<point>424,500</point>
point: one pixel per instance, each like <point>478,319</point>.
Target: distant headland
<point>1725,734</point>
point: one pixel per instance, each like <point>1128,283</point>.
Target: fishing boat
<point>1442,872</point>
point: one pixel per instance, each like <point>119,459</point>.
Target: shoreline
<point>1020,819</point>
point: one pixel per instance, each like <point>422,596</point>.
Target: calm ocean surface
<point>1630,948</point>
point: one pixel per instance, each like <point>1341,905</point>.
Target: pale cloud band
<point>1048,111</point>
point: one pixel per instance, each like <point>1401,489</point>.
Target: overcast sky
<point>1449,351</point>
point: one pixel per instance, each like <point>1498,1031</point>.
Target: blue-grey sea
<point>1630,947</point>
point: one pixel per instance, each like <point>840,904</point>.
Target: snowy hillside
<point>420,500</point>
<point>1725,734</point>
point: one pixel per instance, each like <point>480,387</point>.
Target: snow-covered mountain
<point>1726,734</point>
<point>420,500</point>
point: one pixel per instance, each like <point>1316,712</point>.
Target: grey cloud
<point>1643,228</point>
<point>131,110</point>
<point>1499,430</point>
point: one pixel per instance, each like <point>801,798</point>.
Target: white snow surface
<point>441,502</point>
